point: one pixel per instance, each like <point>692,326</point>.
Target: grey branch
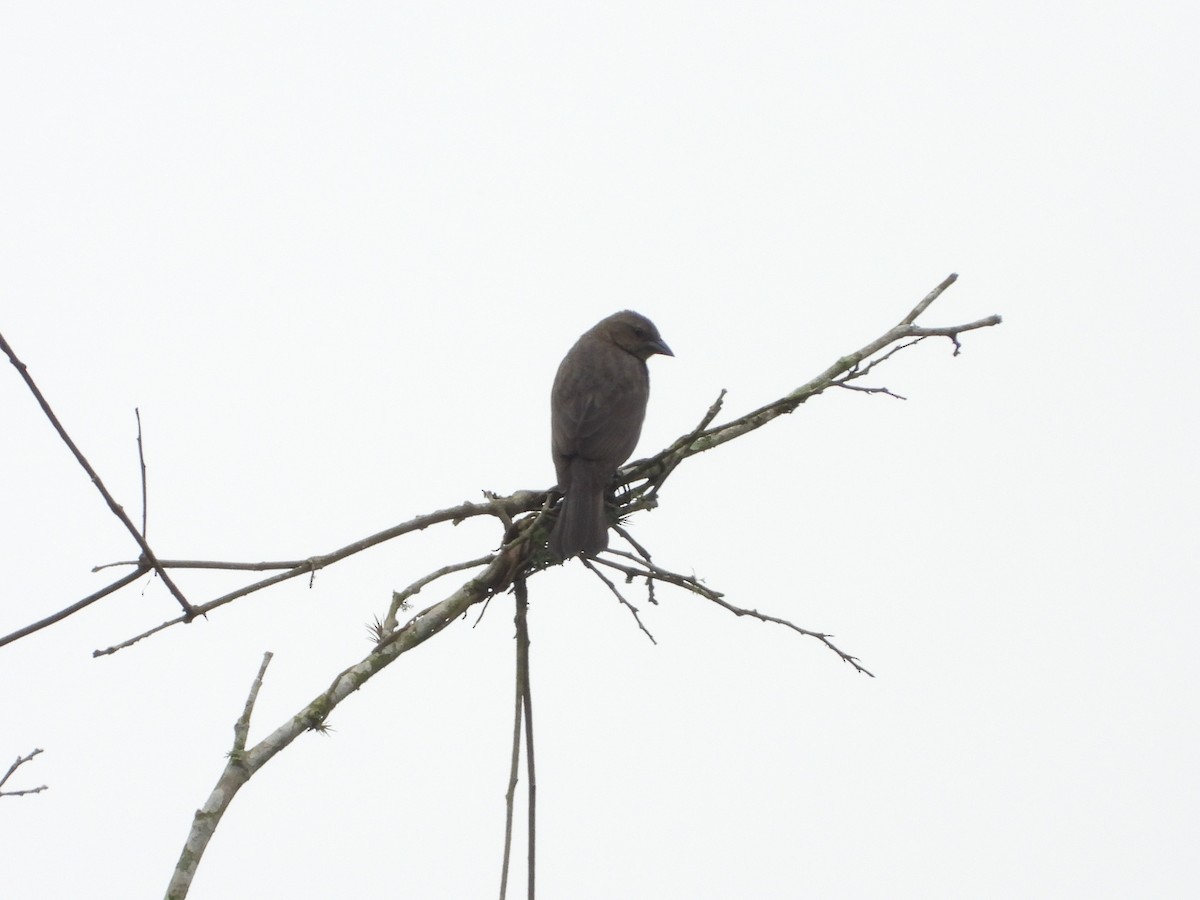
<point>148,560</point>
<point>209,816</point>
<point>644,569</point>
<point>514,504</point>
<point>20,761</point>
<point>244,763</point>
<point>621,597</point>
<point>523,711</point>
<point>400,598</point>
<point>656,469</point>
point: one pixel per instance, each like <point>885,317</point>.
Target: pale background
<point>334,252</point>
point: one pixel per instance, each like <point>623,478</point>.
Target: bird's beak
<point>660,346</point>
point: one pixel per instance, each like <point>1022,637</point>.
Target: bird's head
<point>635,334</point>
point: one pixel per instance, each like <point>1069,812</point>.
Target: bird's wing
<point>598,410</point>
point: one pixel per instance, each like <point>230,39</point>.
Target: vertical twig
<point>142,461</point>
<point>522,708</point>
<point>241,729</point>
<point>236,773</point>
<point>512,772</point>
<point>527,703</point>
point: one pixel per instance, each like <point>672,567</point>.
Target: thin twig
<point>820,636</point>
<point>519,502</point>
<point>674,459</point>
<point>643,554</point>
<point>211,564</point>
<point>655,468</point>
<point>616,593</point>
<point>142,461</point>
<point>400,598</point>
<point>510,795</point>
<point>238,769</point>
<point>929,298</point>
<point>22,793</point>
<point>624,532</point>
<point>117,510</point>
<point>649,570</point>
<point>72,609</point>
<point>869,390</point>
<point>20,761</point>
<point>858,372</point>
<point>953,331</point>
<point>694,585</point>
<point>241,730</point>
<point>498,509</point>
<point>523,679</point>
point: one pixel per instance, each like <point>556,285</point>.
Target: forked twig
<point>400,598</point>
<point>521,501</point>
<point>617,593</point>
<point>20,761</point>
<point>643,569</point>
<point>204,824</point>
<point>148,557</point>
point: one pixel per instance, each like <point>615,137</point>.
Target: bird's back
<point>598,404</point>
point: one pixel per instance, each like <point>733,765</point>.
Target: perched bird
<point>596,410</point>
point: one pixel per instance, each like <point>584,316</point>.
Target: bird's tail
<point>582,526</point>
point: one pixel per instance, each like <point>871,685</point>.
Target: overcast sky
<point>334,253</point>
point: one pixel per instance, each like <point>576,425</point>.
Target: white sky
<point>334,253</point>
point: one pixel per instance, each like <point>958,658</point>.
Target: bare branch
<point>211,564</point>
<point>642,555</point>
<point>642,552</point>
<point>242,729</point>
<point>616,593</point>
<point>823,638</point>
<point>527,703</point>
<point>929,298</point>
<point>142,461</point>
<point>72,609</point>
<point>243,764</point>
<point>117,510</point>
<point>22,793</point>
<point>511,793</point>
<point>205,822</point>
<point>655,469</point>
<point>520,502</point>
<point>693,584</point>
<point>400,598</point>
<point>861,370</point>
<point>953,331</point>
<point>868,390</point>
<point>20,761</point>
<point>674,458</point>
<point>652,572</point>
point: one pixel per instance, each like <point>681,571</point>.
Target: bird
<point>597,406</point>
